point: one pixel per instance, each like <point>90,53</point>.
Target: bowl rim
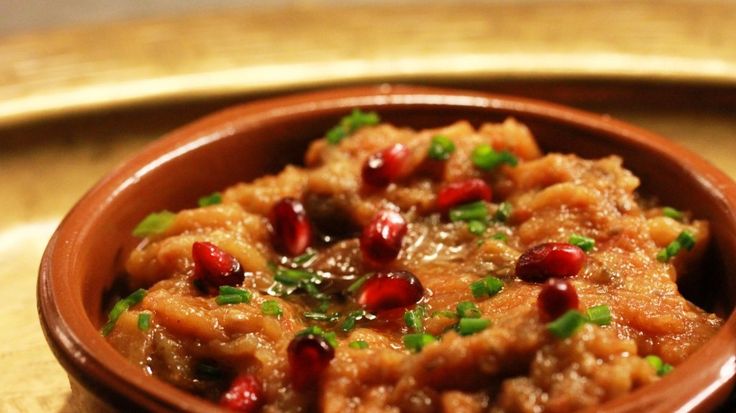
<point>68,329</point>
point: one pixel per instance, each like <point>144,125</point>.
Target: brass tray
<point>75,102</point>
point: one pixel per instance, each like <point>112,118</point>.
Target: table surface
<point>51,152</point>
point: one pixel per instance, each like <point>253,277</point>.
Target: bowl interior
<point>85,259</point>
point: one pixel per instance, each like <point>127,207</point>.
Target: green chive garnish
<point>355,286</point>
<point>154,224</point>
<point>485,158</point>
<point>144,321</point>
<point>468,326</point>
<point>272,308</point>
<point>289,276</point>
<point>659,366</point>
<point>414,319</point>
<point>232,295</point>
<point>314,330</point>
<point>321,316</point>
<point>466,309</point>
<point>477,227</point>
<point>600,315</point>
<point>444,313</point>
<point>487,287</point>
<point>416,342</point>
<point>350,124</point>
<point>358,344</point>
<point>672,213</point>
<point>352,318</point>
<point>500,236</point>
<point>503,212</point>
<point>685,239</point>
<point>567,324</point>
<point>331,338</point>
<point>474,211</point>
<point>304,257</point>
<point>211,199</point>
<point>586,244</point>
<point>120,307</point>
<point>441,148</point>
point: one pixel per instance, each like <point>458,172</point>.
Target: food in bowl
<point>447,269</point>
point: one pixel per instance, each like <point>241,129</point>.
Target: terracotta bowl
<point>82,260</point>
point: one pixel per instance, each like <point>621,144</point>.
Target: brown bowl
<point>82,260</point>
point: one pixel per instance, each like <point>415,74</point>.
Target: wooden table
<point>74,103</point>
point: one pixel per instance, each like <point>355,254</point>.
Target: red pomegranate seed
<point>309,355</point>
<point>381,239</point>
<point>292,230</point>
<point>215,267</point>
<point>462,192</point>
<point>385,291</point>
<point>386,166</point>
<point>244,395</point>
<point>550,260</point>
<point>557,296</point>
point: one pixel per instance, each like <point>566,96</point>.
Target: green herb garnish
<point>414,319</point>
<point>144,321</point>
<point>306,257</point>
<point>503,212</point>
<point>290,276</point>
<point>600,315</point>
<point>416,342</point>
<point>477,227</point>
<point>466,309</point>
<point>321,316</point>
<point>272,308</point>
<point>485,158</point>
<point>352,318</point>
<point>567,324</point>
<point>350,124</point>
<point>487,287</point>
<point>672,213</point>
<point>232,295</point>
<point>586,244</point>
<point>211,199</point>
<point>355,286</point>
<point>685,239</point>
<point>441,148</point>
<point>444,313</point>
<point>474,211</point>
<point>120,307</point>
<point>331,338</point>
<point>500,236</point>
<point>468,326</point>
<point>154,224</point>
<point>358,344</point>
<point>659,366</point>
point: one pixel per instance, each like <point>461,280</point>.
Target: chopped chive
<point>485,158</point>
<point>414,319</point>
<point>672,213</point>
<point>685,239</point>
<point>304,257</point>
<point>272,308</point>
<point>468,326</point>
<point>477,227</point>
<point>323,306</point>
<point>211,199</point>
<point>331,338</point>
<point>444,313</point>
<point>500,236</point>
<point>313,291</point>
<point>503,212</point>
<point>600,315</point>
<point>586,244</point>
<point>659,366</point>
<point>232,295</point>
<point>567,324</point>
<point>290,276</point>
<point>120,307</point>
<point>144,321</point>
<point>355,286</point>
<point>314,330</point>
<point>154,224</point>
<point>228,299</point>
<point>488,286</point>
<point>474,211</point>
<point>416,342</point>
<point>466,309</point>
<point>441,148</point>
<point>358,344</point>
<point>350,320</point>
<point>320,316</point>
<point>350,124</point>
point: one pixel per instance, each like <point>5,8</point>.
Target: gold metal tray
<point>74,103</point>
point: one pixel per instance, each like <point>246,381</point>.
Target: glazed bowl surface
<point>83,259</point>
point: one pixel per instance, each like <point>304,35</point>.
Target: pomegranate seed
<point>385,291</point>
<point>557,296</point>
<point>550,260</point>
<point>386,166</point>
<point>244,395</point>
<point>215,267</point>
<point>462,192</point>
<point>291,227</point>
<point>381,239</point>
<point>309,355</point>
